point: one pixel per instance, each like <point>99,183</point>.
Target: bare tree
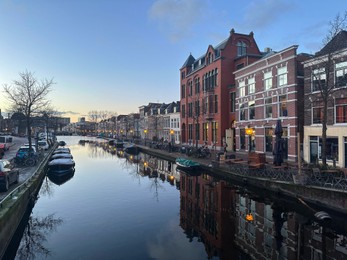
<point>93,116</point>
<point>28,96</point>
<point>324,86</point>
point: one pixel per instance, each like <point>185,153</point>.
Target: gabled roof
<point>190,60</point>
<point>337,43</point>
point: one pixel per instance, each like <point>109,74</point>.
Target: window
<point>190,109</point>
<point>197,131</point>
<point>215,77</point>
<point>183,111</point>
<point>282,76</point>
<point>268,80</point>
<point>214,131</point>
<point>183,91</point>
<point>268,139</point>
<point>251,86</point>
<point>242,91</point>
<point>341,110</point>
<point>318,79</point>
<point>215,103</point>
<point>251,110</point>
<point>232,101</point>
<point>242,112</point>
<point>241,48</point>
<point>197,108</point>
<point>283,105</point>
<point>242,139</point>
<point>190,88</point>
<point>190,131</point>
<point>317,115</point>
<point>197,85</point>
<point>183,75</point>
<point>268,107</point>
<point>205,131</point>
<point>341,74</point>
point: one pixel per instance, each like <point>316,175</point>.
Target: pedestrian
<point>225,147</point>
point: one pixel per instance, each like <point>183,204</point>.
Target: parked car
<point>8,174</point>
<point>43,144</point>
<point>23,153</point>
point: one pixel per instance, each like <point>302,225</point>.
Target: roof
<point>338,42</point>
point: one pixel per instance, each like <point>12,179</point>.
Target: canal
<point>119,206</point>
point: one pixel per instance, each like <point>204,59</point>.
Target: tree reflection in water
<point>35,234</point>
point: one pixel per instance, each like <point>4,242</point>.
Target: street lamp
<point>172,132</point>
<point>249,132</point>
<point>145,131</point>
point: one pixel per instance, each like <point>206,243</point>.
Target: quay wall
<point>13,208</point>
<point>321,197</point>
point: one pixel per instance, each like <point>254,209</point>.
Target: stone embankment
<point>15,203</point>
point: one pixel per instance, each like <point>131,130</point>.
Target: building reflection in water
<point>231,222</point>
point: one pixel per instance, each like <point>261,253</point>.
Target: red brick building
<point>207,90</point>
<point>267,90</point>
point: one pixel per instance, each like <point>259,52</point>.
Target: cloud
<point>176,18</point>
<point>261,13</point>
<point>67,113</point>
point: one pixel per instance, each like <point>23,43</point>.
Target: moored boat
<point>187,164</point>
<point>61,165</point>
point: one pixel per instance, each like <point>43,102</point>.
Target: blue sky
<point>118,55</point>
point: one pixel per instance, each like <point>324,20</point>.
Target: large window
<point>190,88</point>
<point>242,90</point>
<point>341,110</point>
<point>282,76</point>
<point>268,107</point>
<point>251,110</point>
<point>197,108</point>
<point>241,49</point>
<point>318,79</point>
<point>283,105</point>
<point>317,115</point>
<point>341,74</point>
<point>268,80</point>
<point>183,109</point>
<point>242,112</point>
<point>190,132</point>
<point>251,85</point>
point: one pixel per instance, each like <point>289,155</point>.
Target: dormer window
<point>241,48</point>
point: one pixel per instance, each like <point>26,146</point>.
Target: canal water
<point>121,206</point>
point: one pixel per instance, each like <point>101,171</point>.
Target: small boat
<point>60,179</point>
<point>187,164</point>
<point>62,143</point>
<point>61,165</point>
<point>131,149</point>
<point>61,155</point>
<point>61,150</point>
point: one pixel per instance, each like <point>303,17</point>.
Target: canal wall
<point>13,208</point>
<point>319,197</point>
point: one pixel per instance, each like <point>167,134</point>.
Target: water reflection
<point>35,235</point>
<point>231,220</point>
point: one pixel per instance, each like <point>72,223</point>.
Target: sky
<point>118,55</point>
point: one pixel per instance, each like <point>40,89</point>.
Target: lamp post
<point>145,131</point>
<point>249,132</point>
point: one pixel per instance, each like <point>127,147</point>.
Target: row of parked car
<point>9,172</point>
